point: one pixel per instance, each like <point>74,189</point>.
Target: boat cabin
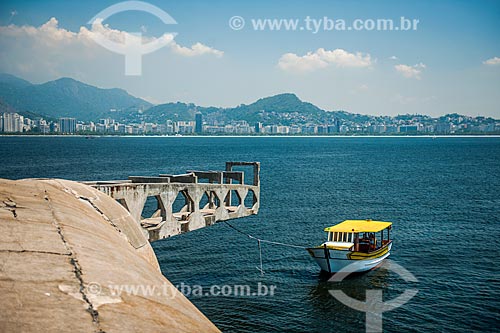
<point>358,235</point>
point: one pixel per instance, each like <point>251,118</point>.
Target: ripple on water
<point>442,195</point>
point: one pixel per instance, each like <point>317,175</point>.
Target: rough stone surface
<point>59,240</point>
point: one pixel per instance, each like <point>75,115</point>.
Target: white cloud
<point>322,58</point>
<point>492,61</point>
<point>393,58</point>
<point>195,50</point>
<point>410,71</point>
<point>307,63</point>
<point>49,31</point>
<point>49,34</point>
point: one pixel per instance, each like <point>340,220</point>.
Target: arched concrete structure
<point>134,192</point>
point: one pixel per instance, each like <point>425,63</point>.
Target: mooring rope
<point>259,241</point>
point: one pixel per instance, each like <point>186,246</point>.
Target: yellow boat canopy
<point>359,226</point>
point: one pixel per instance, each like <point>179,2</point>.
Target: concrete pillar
<point>135,201</point>
<point>221,212</point>
<point>256,174</point>
<point>242,193</point>
<point>167,199</point>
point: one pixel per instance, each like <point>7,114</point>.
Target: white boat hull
<point>333,261</point>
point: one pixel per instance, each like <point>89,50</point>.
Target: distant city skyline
<point>450,64</point>
<point>452,124</point>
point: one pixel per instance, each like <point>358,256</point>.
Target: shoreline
<point>255,136</point>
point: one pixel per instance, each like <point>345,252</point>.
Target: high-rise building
<point>443,127</point>
<point>67,125</point>
<point>148,127</point>
<point>185,127</point>
<point>12,122</point>
<point>199,123</point>
<point>334,127</point>
<point>258,127</point>
<point>322,129</point>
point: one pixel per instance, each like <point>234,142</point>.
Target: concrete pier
<point>206,196</point>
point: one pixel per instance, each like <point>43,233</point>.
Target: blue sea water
<point>443,196</point>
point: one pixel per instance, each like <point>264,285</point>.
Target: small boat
<point>353,246</point>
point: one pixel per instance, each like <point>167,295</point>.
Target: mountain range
<point>282,109</point>
<point>66,97</point>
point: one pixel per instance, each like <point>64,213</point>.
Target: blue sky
<point>449,64</point>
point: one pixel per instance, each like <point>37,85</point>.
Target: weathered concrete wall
<point>57,237</point>
<point>192,217</point>
<point>225,191</point>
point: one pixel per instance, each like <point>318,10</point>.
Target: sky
<point>449,63</point>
